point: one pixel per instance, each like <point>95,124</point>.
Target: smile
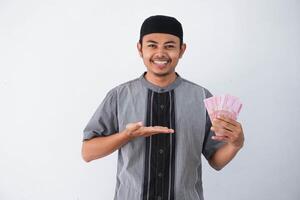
<point>160,62</point>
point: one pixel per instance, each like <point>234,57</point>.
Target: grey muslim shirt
<point>162,166</point>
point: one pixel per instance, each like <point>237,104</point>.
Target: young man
<point>159,124</point>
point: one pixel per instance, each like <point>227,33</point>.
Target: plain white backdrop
<point>58,59</point>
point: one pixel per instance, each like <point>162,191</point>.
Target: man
<point>159,124</point>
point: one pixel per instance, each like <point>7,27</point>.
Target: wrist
<point>127,134</point>
<point>235,147</point>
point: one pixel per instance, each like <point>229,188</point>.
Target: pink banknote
<point>227,105</point>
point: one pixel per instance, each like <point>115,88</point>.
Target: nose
<point>160,52</point>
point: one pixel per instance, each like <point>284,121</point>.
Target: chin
<point>162,74</point>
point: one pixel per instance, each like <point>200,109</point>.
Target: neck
<point>161,81</point>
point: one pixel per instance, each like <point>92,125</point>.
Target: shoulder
<point>194,87</point>
<point>128,85</point>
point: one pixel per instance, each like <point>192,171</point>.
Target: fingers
<point>218,124</point>
<point>220,138</point>
<point>228,130</point>
<point>152,130</point>
<point>160,129</point>
<point>228,120</point>
<point>137,129</point>
<point>134,126</point>
<point>223,122</point>
<point>220,131</point>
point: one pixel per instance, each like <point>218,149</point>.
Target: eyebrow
<point>168,42</point>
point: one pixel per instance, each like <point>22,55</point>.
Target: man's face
<point>160,53</point>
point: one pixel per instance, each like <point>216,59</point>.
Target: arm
<point>223,156</point>
<point>102,146</point>
<point>231,132</point>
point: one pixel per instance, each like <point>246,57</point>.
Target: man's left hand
<point>228,130</point>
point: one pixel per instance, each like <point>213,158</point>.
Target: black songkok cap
<point>161,24</point>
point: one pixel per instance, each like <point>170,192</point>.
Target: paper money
<point>226,105</point>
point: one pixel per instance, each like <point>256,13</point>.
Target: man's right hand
<point>99,147</point>
<point>137,129</point>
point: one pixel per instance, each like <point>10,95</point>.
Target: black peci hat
<point>161,24</point>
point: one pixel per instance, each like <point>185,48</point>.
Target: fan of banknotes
<point>226,105</point>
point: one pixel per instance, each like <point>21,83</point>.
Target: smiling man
<point>159,124</point>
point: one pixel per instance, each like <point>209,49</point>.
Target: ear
<point>139,48</point>
<point>182,50</point>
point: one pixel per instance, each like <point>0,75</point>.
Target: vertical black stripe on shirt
<point>160,148</point>
<point>160,170</point>
<point>173,138</point>
<point>147,152</point>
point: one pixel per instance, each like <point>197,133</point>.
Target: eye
<point>169,46</point>
<point>151,45</point>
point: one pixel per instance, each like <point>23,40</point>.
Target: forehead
<point>161,38</point>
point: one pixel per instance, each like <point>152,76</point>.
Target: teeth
<point>159,62</point>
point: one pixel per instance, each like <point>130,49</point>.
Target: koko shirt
<point>161,166</point>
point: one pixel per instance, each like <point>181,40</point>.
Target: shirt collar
<point>158,89</point>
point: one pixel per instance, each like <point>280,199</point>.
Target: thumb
<point>134,126</point>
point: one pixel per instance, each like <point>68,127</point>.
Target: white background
<point>58,59</point>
